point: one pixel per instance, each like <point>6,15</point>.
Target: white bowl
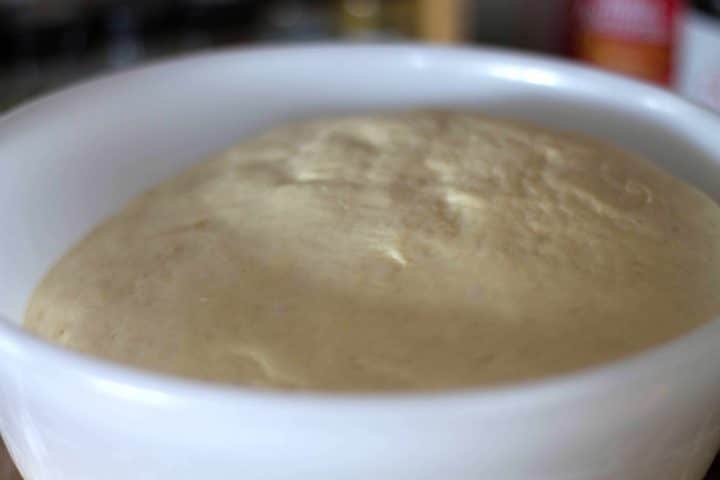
<point>68,160</point>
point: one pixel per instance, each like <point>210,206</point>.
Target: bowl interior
<point>71,159</point>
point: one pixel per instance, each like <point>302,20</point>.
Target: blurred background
<point>45,44</point>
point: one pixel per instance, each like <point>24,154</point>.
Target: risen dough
<point>405,251</point>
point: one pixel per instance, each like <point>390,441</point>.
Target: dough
<point>406,251</point>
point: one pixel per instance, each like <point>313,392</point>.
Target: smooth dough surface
<point>420,250</point>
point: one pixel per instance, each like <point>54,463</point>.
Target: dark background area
<point>45,44</point>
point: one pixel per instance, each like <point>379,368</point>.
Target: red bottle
<point>635,37</point>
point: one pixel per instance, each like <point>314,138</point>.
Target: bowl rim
<point>34,352</point>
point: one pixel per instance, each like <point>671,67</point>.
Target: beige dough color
<point>422,250</point>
